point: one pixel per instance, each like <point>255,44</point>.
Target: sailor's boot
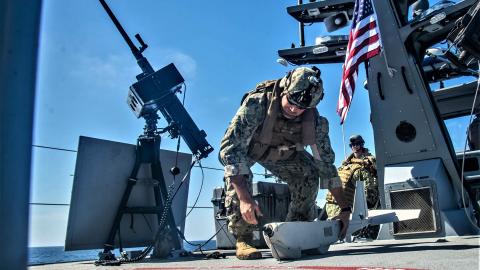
<point>245,251</point>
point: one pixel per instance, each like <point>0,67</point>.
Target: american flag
<point>363,43</point>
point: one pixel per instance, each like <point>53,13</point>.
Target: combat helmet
<point>356,139</point>
<point>303,87</point>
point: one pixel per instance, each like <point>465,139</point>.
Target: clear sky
<point>222,48</point>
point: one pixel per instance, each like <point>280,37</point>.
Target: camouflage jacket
<point>249,117</point>
<point>358,169</point>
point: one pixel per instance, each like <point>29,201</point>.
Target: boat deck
<point>425,253</point>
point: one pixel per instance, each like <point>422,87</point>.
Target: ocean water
<point>47,255</point>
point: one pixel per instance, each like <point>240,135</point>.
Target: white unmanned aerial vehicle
<point>287,240</point>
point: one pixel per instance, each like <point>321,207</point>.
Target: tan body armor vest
<point>290,134</point>
<point>345,172</point>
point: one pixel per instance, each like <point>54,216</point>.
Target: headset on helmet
<point>304,87</point>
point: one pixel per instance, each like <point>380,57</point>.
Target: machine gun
<point>155,90</point>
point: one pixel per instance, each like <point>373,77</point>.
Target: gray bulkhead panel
<point>405,119</point>
<point>406,127</point>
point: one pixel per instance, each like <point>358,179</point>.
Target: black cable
<point>210,239</point>
<point>198,196</point>
<point>184,177</point>
<point>226,233</point>
<point>199,246</point>
<point>210,168</point>
<point>472,111</point>
<point>178,140</point>
<point>162,223</point>
<point>199,192</point>
<point>188,242</point>
<point>161,226</point>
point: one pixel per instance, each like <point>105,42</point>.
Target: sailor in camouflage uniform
<point>359,166</point>
<point>273,126</point>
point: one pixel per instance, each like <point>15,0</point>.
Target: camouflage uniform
<point>353,170</point>
<point>299,169</point>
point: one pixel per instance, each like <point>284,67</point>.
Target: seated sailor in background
<point>360,165</point>
<point>273,125</point>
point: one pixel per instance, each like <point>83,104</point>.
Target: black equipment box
<point>153,89</point>
<point>273,199</point>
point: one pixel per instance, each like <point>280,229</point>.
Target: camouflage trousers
<point>371,193</point>
<point>302,177</point>
<point>372,198</point>
<point>333,209</point>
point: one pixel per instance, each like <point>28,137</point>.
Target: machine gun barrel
<point>141,60</point>
<point>155,91</point>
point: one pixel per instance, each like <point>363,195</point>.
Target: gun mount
<point>154,91</point>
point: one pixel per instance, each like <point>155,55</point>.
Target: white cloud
<point>184,62</point>
<point>105,71</point>
<point>110,70</point>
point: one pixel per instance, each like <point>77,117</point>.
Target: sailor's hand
<point>250,210</point>
<point>344,218</point>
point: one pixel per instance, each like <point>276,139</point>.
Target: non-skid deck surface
<point>457,253</point>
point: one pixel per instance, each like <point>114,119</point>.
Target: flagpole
<point>391,71</point>
<point>343,138</point>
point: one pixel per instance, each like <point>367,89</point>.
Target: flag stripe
<point>358,59</point>
<point>367,41</point>
<point>360,29</point>
<point>367,23</point>
<point>359,39</point>
<point>367,33</point>
<point>347,89</point>
<point>363,43</point>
